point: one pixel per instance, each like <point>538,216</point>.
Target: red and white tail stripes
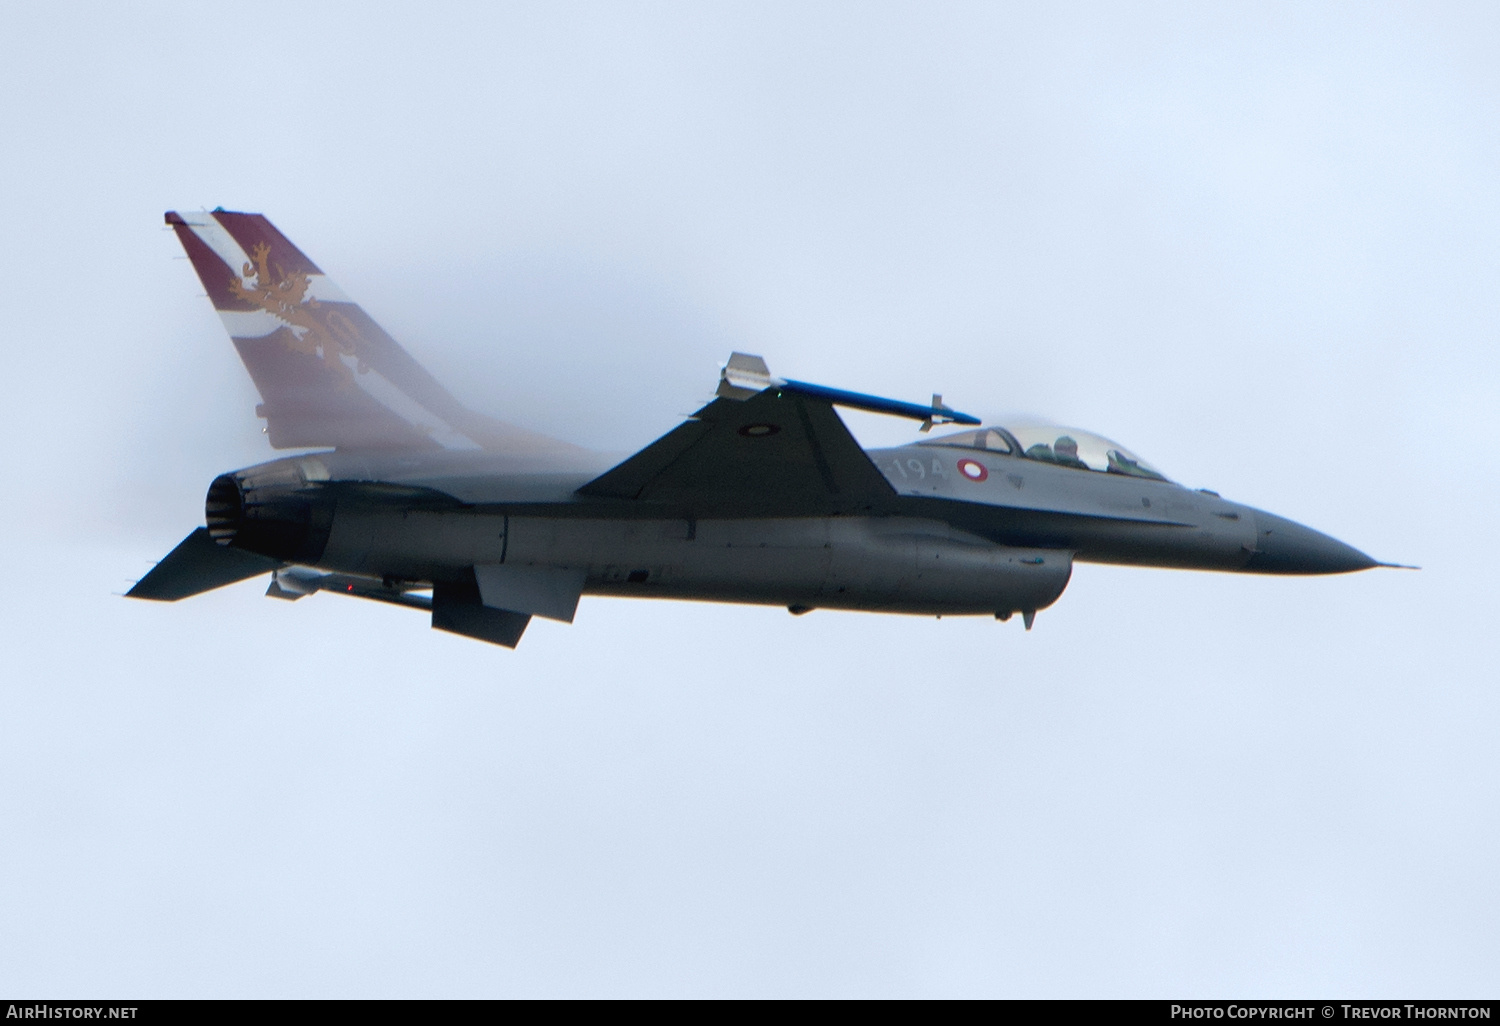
<point>328,375</point>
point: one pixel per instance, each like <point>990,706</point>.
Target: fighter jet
<point>402,495</point>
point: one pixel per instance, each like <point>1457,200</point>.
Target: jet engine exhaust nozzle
<point>272,510</point>
<point>224,508</point>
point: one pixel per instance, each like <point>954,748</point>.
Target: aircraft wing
<point>777,453</point>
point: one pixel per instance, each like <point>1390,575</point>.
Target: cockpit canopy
<point>1048,443</point>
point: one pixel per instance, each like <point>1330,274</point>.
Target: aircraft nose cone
<point>1286,547</point>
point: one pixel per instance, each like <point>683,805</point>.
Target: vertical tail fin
<point>328,375</point>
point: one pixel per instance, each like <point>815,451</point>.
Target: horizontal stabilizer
<point>197,565</point>
<point>458,608</point>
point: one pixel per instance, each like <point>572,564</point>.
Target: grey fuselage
<point>944,544</point>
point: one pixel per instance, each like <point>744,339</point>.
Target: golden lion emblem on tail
<point>315,330</point>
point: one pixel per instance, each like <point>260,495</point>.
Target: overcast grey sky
<point>1257,243</point>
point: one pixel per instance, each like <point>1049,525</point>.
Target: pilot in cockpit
<point>1065,453</point>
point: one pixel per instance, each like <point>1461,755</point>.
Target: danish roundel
<point>973,470</point>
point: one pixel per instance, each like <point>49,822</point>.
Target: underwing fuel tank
<point>895,565</point>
